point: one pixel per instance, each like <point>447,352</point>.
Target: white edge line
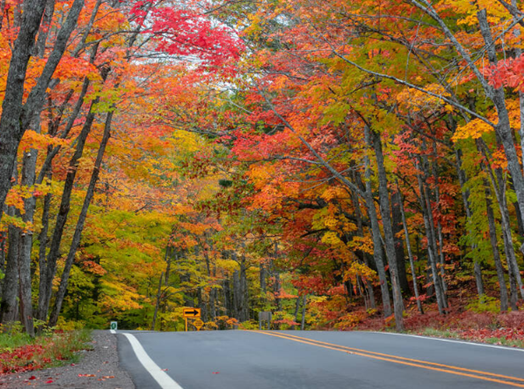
<point>453,341</point>
<point>163,379</point>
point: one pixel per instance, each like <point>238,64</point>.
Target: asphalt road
<point>314,360</point>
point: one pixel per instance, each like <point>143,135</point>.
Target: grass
<point>475,336</point>
<point>19,352</point>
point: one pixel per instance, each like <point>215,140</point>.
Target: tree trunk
<point>263,286</point>
<point>396,219</point>
<point>26,241</point>
<point>495,249</point>
<point>303,321</point>
<point>157,305</point>
<point>9,305</point>
<point>244,308</point>
<point>377,242</point>
<point>465,199</point>
<point>432,257</point>
<point>440,238</point>
<point>63,213</point>
<point>236,295</point>
<point>410,255</point>
<point>297,307</point>
<point>81,222</point>
<point>503,129</point>
<point>499,184</point>
<point>3,248</point>
<point>385,208</point>
<point>12,105</point>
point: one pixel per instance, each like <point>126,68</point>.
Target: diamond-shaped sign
<point>198,324</point>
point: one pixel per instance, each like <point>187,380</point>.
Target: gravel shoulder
<point>98,368</point>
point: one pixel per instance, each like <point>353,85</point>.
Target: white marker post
<point>113,326</point>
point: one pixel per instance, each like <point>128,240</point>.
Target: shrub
<point>484,304</point>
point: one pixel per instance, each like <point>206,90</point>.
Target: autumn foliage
<point>340,164</point>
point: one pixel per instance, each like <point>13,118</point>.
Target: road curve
<point>314,360</point>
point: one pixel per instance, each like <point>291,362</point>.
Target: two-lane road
<point>314,360</point>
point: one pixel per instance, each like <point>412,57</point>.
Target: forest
<point>341,164</point>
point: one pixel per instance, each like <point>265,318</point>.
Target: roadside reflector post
<point>113,326</point>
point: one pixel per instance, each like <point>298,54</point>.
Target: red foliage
<point>21,359</point>
<point>477,327</point>
<point>187,31</point>
<point>507,73</point>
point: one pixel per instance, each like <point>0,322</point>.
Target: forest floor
<point>97,368</point>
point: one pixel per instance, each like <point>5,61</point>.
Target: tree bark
<point>377,241</point>
<point>26,241</point>
<point>396,219</point>
<point>465,199</point>
<point>81,222</point>
<point>157,305</point>
<point>410,255</point>
<point>495,249</point>
<point>303,320</point>
<point>432,257</point>
<point>12,106</point>
<point>385,208</point>
<point>9,304</point>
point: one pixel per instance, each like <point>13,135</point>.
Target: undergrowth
<point>478,323</point>
<point>19,352</point>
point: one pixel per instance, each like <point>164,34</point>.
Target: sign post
<point>114,325</point>
<point>193,313</point>
<point>264,317</point>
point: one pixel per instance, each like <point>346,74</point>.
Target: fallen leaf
<point>108,376</point>
<point>216,372</point>
<point>49,382</point>
<point>32,377</point>
<point>164,369</point>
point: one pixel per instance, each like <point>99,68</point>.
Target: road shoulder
<point>99,368</point>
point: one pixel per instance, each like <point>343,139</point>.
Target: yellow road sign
<point>192,312</point>
<point>198,324</point>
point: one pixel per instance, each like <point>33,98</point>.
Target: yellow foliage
<point>416,99</point>
<point>34,140</point>
<point>331,238</point>
<point>362,243</point>
<point>472,130</point>
<point>333,193</point>
<point>496,11</point>
<point>361,270</point>
<point>227,264</point>
<point>499,159</point>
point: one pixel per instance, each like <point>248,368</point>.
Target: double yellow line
<point>478,374</point>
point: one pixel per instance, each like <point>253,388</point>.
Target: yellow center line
<point>401,360</point>
<point>405,359</point>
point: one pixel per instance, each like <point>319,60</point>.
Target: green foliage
<point>20,352</point>
<point>484,304</point>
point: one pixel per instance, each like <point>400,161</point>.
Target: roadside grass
<point>475,324</point>
<point>508,337</point>
<point>19,352</point>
